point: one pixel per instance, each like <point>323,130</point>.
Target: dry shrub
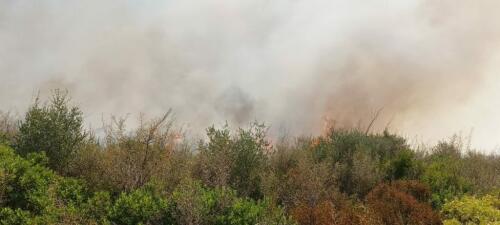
<point>482,171</point>
<point>129,159</point>
<point>321,214</point>
<point>414,188</point>
<point>293,178</point>
<point>402,203</point>
<point>327,213</point>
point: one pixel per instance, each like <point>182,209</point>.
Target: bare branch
<point>373,120</point>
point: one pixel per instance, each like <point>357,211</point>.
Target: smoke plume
<point>428,66</point>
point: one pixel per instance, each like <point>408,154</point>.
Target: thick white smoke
<point>291,63</point>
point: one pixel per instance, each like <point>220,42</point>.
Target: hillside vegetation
<point>54,171</point>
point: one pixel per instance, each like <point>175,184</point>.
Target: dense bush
<point>52,172</point>
<point>402,203</point>
<point>322,214</point>
<point>363,160</point>
<point>34,194</point>
<point>481,171</point>
<point>473,210</point>
<point>127,160</point>
<point>443,174</point>
<point>247,212</point>
<point>140,207</point>
<point>234,161</point>
<point>55,128</point>
<point>293,179</point>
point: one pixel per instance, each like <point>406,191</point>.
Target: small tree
<point>248,153</point>
<point>234,160</point>
<point>55,128</point>
<point>214,161</point>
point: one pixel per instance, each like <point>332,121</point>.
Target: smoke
<point>290,63</point>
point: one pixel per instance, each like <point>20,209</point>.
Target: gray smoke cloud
<point>290,63</point>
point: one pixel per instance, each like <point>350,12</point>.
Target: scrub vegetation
<point>55,171</point>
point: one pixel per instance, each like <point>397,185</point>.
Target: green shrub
<point>443,174</point>
<point>9,216</point>
<point>403,165</point>
<point>473,210</point>
<point>249,212</point>
<point>193,203</point>
<point>383,156</point>
<point>248,152</point>
<point>34,194</point>
<point>140,207</point>
<point>214,162</point>
<point>29,185</point>
<point>236,161</point>
<point>98,207</point>
<point>71,192</point>
<point>55,128</point>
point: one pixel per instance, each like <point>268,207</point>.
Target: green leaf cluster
<point>472,210</point>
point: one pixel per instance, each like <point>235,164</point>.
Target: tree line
<point>54,171</point>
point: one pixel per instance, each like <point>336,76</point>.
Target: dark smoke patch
<point>235,105</point>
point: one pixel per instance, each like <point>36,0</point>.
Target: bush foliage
<point>473,210</point>
<point>54,172</point>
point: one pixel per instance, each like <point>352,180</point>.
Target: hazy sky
<point>431,65</point>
